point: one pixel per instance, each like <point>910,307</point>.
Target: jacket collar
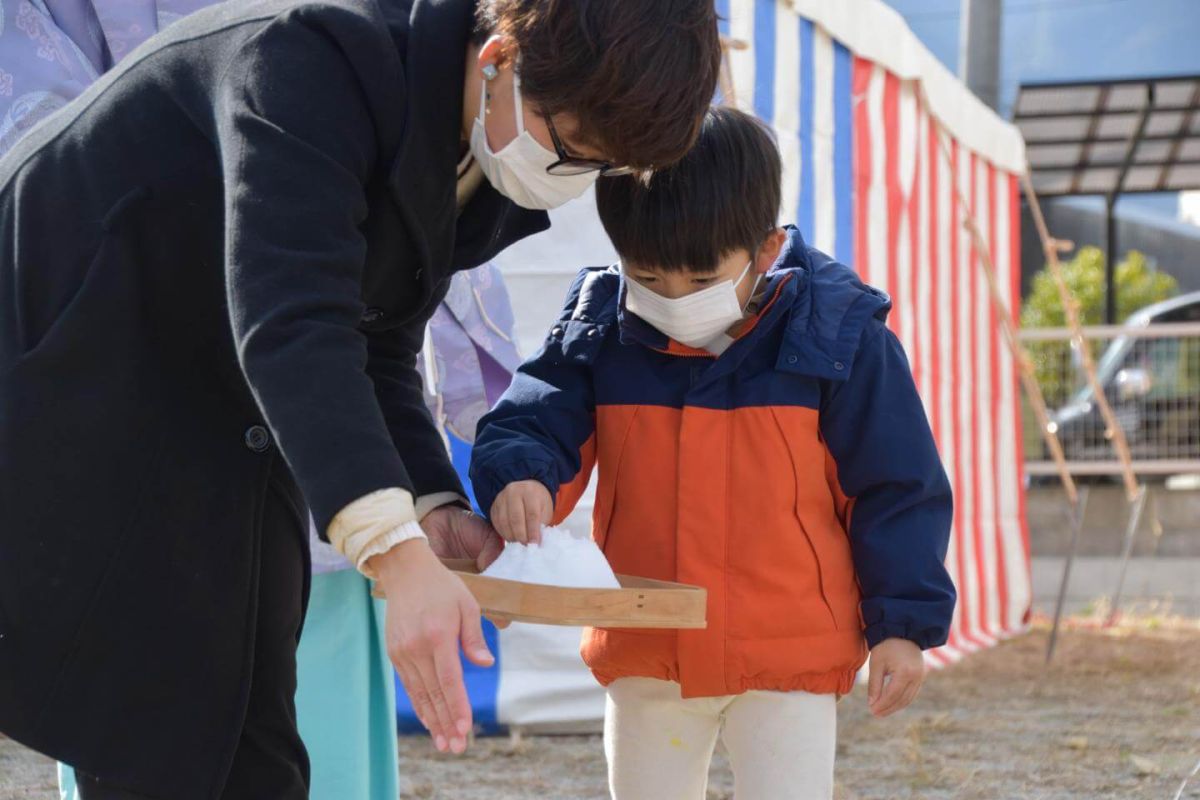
<point>822,303</point>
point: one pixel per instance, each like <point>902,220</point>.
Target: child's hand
<point>521,510</point>
<point>902,661</point>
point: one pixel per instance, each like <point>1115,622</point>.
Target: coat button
<point>372,315</point>
<point>792,359</point>
<point>592,333</point>
<point>839,366</point>
<point>257,438</point>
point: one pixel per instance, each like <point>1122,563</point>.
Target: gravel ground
<point>1118,716</point>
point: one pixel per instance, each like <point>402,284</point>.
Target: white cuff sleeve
<point>386,541</point>
<point>432,502</point>
<point>374,524</point>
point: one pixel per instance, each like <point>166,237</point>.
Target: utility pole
<point>979,48</point>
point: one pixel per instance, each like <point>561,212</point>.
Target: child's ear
<point>768,254</point>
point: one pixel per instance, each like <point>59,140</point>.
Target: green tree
<point>1137,287</point>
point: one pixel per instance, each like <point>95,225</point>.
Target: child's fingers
<point>894,694</point>
<point>909,696</point>
<point>904,697</point>
<point>499,516</point>
<point>875,680</point>
<point>520,512</point>
<point>515,518</point>
<point>887,698</point>
<point>545,510</point>
<point>533,521</point>
<point>502,513</point>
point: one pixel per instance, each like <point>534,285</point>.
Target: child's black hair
<point>724,195</point>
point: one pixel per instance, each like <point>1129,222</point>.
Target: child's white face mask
<point>696,319</point>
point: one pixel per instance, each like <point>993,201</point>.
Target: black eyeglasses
<point>568,164</point>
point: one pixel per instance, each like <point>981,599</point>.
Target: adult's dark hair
<point>636,74</point>
<point>722,196</point>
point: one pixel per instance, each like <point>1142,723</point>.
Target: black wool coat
<point>223,253</point>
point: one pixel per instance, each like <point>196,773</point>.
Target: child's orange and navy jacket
<point>794,477</point>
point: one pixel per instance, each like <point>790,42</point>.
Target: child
<point>757,433</point>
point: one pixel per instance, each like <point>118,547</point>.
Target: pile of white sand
<point>562,559</point>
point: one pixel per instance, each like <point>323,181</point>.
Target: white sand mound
<point>562,559</point>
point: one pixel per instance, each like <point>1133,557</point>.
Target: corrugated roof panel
<point>1112,137</point>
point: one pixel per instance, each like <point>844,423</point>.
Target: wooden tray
<point>639,603</point>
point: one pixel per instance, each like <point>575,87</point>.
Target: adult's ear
<point>768,254</point>
<point>496,52</point>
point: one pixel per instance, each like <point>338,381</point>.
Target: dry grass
<point>1117,716</point>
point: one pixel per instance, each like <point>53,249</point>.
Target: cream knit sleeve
<point>377,522</point>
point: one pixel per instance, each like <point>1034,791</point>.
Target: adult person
<point>217,265</point>
<point>50,51</point>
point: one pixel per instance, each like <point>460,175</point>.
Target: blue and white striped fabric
<point>797,78</point>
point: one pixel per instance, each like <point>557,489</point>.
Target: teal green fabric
<point>345,697</point>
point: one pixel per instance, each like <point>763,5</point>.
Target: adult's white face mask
<point>518,171</point>
<point>696,319</point>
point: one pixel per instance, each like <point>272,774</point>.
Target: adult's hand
<point>455,533</point>
<point>429,612</point>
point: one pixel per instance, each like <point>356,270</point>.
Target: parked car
<point>1153,385</point>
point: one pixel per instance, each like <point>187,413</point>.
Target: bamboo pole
<point>728,90</point>
<point>1113,431</point>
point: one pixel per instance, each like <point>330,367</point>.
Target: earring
<point>490,73</point>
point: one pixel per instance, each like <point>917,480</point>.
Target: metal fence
<point>1151,376</point>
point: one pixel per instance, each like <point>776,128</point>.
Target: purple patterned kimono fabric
<point>51,50</point>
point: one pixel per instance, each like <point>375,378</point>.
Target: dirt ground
<point>1118,716</point>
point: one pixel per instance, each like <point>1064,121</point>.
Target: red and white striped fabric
<point>912,244</point>
<point>875,136</point>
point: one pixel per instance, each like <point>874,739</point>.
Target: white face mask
<point>696,319</point>
<point>518,171</point>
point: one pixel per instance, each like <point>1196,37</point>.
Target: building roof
<point>1112,137</point>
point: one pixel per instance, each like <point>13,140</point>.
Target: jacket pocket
<point>610,452</point>
<point>102,286</point>
<point>804,514</point>
<point>820,570</point>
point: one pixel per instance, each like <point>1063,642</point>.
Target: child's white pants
<point>781,744</point>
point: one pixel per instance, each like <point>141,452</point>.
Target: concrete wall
<point>1164,573</point>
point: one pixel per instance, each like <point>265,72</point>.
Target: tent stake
<point>1078,510</point>
<point>1135,517</point>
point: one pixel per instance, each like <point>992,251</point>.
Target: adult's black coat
<point>225,251</point>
